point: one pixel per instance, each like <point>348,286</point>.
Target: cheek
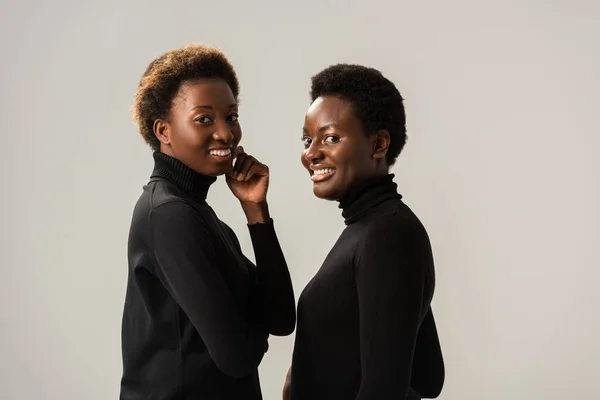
<point>236,132</point>
<point>201,137</point>
<point>340,156</point>
<point>350,160</point>
<point>189,134</point>
<point>359,158</point>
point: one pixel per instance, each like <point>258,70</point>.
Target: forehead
<point>331,110</point>
<point>204,92</point>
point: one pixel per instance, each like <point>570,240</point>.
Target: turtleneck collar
<point>367,194</point>
<point>181,175</point>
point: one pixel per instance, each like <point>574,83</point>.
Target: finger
<point>256,169</point>
<point>244,167</point>
<point>250,168</point>
<point>237,156</point>
<point>237,151</point>
<point>239,161</point>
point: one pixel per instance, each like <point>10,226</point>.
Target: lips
<point>221,153</point>
<point>322,174</point>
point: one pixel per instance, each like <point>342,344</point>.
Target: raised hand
<point>249,179</point>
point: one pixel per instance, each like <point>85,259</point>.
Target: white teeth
<point>221,153</point>
<point>324,171</point>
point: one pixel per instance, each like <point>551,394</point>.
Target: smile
<point>323,174</point>
<point>221,153</point>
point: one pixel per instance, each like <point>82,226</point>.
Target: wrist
<point>256,213</point>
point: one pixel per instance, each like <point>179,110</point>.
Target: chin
<point>223,171</point>
<point>218,170</point>
<point>325,192</point>
<point>212,171</point>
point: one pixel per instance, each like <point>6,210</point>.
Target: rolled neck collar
<point>184,177</point>
<point>367,194</point>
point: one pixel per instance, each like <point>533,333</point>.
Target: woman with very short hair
<point>365,327</point>
<point>197,312</point>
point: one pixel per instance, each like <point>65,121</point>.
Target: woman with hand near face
<point>365,326</point>
<point>197,312</point>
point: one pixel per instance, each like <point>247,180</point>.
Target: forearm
<point>274,279</point>
<point>256,213</point>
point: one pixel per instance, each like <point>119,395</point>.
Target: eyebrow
<point>323,128</point>
<point>234,105</point>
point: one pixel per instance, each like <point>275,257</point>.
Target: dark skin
<point>337,152</point>
<point>203,132</point>
<point>336,143</point>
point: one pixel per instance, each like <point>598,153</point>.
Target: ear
<point>381,144</point>
<point>162,131</point>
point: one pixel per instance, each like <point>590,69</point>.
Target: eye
<point>306,141</point>
<point>332,139</point>
<point>233,118</point>
<point>204,120</point>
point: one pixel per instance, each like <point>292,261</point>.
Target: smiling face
<point>337,152</point>
<point>202,129</point>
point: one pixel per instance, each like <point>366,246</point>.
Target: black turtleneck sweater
<point>365,327</point>
<point>197,312</point>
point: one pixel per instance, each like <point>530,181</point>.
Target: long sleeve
<point>278,300</point>
<point>428,372</point>
<point>189,269</point>
<point>390,280</point>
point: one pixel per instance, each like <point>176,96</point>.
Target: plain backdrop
<point>501,166</point>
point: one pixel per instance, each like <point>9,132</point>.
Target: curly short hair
<point>164,76</point>
<point>375,100</point>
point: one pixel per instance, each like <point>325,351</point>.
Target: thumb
<point>237,151</point>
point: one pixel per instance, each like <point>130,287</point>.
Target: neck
<point>181,175</point>
<point>365,195</point>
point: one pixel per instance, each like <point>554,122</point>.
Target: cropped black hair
<point>164,76</point>
<point>375,100</point>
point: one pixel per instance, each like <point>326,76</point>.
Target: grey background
<point>501,165</point>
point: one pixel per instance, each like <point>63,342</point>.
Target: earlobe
<point>381,144</point>
<point>161,131</point>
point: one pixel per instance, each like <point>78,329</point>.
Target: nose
<point>313,153</point>
<point>223,132</point>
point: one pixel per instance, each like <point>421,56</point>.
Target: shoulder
<point>398,227</point>
<point>393,240</point>
<point>165,197</point>
<point>178,224</point>
<point>400,220</point>
<point>170,207</point>
<point>163,192</point>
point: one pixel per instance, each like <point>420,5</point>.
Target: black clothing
<point>197,312</point>
<point>368,307</point>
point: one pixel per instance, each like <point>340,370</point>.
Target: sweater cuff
<point>258,225</point>
<point>260,233</point>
